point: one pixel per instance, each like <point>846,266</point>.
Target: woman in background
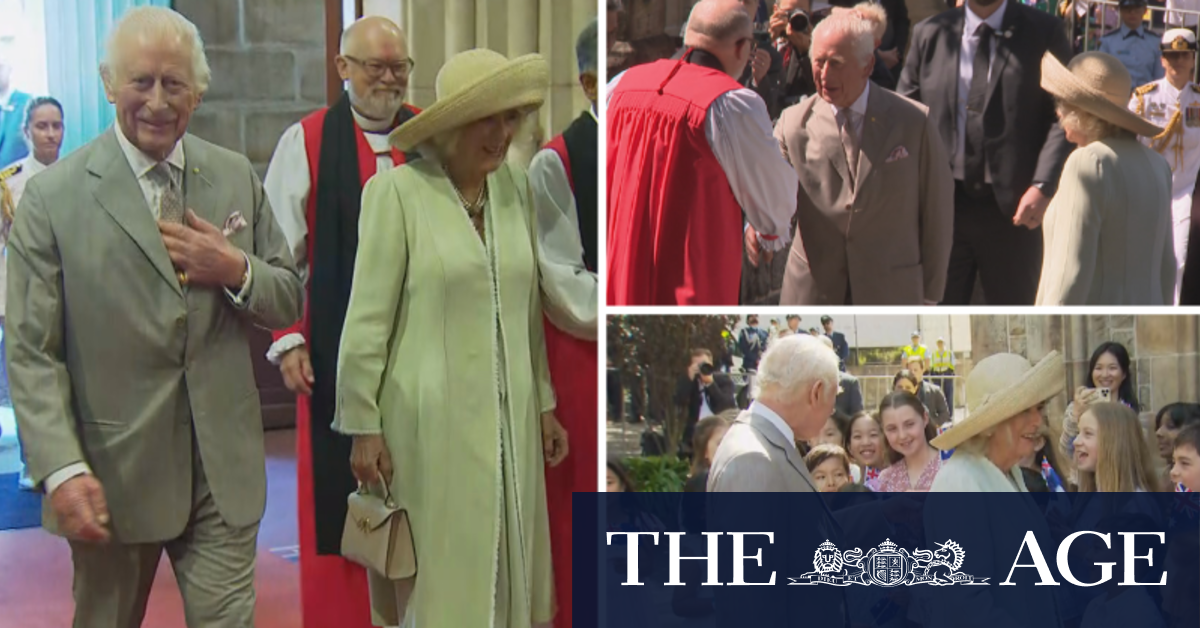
<point>1108,369</point>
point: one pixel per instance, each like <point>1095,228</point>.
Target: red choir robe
<point>333,590</point>
<point>674,224</point>
<point>573,373</point>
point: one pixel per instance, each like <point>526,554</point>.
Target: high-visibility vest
<point>910,351</point>
<point>942,361</point>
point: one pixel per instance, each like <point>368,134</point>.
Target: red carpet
<point>35,568</point>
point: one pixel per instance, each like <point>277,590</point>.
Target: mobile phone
<point>1105,394</point>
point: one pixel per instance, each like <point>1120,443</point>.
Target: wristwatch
<point>1044,188</point>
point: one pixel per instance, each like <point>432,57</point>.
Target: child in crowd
<point>829,466</point>
<point>864,443</point>
<point>1111,453</point>
<point>913,462</point>
<point>835,432</point>
<point>1186,454</point>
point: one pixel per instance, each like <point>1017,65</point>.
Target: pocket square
<point>234,224</point>
<point>899,153</point>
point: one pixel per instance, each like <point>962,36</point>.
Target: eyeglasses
<point>375,69</point>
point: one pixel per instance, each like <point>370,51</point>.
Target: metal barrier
<point>875,387</point>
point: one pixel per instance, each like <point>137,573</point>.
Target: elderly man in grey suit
<point>137,268</point>
<point>876,203</point>
<point>797,384</point>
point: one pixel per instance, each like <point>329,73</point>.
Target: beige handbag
<point>377,535</point>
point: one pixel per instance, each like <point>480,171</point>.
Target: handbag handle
<point>363,489</point>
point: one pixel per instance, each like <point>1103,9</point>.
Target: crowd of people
<point>398,254</point>
<point>1003,441</point>
<point>979,154</point>
<point>792,439</point>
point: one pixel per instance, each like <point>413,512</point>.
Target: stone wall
<point>1164,349</point>
<point>268,67</point>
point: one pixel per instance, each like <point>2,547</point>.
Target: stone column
<point>427,46</point>
<point>459,25</point>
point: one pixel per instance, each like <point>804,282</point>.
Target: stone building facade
<point>1164,351</point>
<point>268,66</point>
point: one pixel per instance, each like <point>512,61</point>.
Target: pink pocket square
<point>899,153</point>
<point>234,224</point>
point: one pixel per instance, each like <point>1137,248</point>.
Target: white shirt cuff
<point>239,299</point>
<point>282,346</point>
<point>57,478</point>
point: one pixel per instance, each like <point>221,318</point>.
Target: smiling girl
<point>907,432</point>
<point>864,442</point>
<point>1111,454</point>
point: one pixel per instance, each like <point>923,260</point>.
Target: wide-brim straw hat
<point>1099,84</point>
<point>1001,387</point>
<point>474,85</point>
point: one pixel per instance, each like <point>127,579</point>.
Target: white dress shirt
<point>152,189</point>
<point>774,419</point>
<point>570,290</point>
<point>738,130</point>
<point>966,61</point>
<point>288,185</point>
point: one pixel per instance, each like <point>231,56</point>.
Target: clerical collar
<point>372,126</point>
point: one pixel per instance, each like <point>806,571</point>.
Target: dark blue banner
<point>902,560</point>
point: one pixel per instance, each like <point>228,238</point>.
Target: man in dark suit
<point>840,346</point>
<point>704,392</point>
<point>929,393</point>
<point>12,110</point>
<point>1001,131</point>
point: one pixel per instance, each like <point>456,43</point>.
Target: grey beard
<point>377,107</point>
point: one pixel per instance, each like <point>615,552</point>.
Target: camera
<point>798,20</point>
<point>762,39</point>
<point>706,369</point>
<point>1105,394</point>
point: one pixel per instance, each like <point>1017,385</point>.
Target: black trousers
<point>1007,259</point>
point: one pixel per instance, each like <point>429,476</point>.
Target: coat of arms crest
<point>888,565</point>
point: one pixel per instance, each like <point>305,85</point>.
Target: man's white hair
<point>793,364</point>
<point>870,11</point>
<point>153,22</point>
<point>825,340</point>
<point>847,24</point>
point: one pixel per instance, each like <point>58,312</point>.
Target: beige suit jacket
<point>755,457</point>
<point>887,239</point>
<point>1108,231</point>
<point>112,362</point>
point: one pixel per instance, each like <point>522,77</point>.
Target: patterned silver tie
<point>849,143</point>
<point>170,204</point>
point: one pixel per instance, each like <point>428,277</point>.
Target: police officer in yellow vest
<point>1173,103</point>
<point>942,371</point>
<point>916,348</point>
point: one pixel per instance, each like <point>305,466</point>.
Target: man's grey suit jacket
<point>755,456</point>
<point>113,363</point>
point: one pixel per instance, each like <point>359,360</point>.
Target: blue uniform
<point>1139,50</point>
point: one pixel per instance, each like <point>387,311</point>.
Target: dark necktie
<point>973,157</point>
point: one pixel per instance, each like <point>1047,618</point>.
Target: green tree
<point>657,349</point>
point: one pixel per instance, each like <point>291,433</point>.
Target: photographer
<point>790,27</point>
<point>764,73</point>
<point>704,392</point>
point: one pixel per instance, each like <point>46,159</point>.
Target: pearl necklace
<point>473,208</point>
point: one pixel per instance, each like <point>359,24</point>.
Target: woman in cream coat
<point>1108,230</point>
<point>1006,401</point>
<point>442,373</point>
